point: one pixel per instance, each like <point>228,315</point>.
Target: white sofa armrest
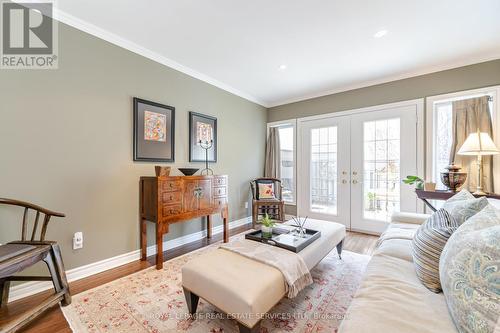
<point>413,218</point>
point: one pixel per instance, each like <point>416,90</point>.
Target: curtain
<point>469,115</point>
<point>273,154</point>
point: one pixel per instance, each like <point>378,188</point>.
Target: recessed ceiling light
<point>282,67</point>
<point>380,33</point>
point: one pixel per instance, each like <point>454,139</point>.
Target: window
<point>287,148</point>
<point>439,137</point>
<point>324,170</point>
<point>381,141</point>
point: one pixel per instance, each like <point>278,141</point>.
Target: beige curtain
<point>273,154</point>
<point>468,116</point>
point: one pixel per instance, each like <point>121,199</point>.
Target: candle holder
<point>206,145</point>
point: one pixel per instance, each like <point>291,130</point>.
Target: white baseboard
<point>34,287</point>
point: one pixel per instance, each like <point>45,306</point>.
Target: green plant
<point>371,200</point>
<point>267,222</point>
<point>410,180</point>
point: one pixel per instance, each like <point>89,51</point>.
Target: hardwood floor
<point>53,320</point>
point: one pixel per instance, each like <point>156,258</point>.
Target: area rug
<point>153,301</point>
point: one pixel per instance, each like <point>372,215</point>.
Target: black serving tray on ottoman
<point>286,240</point>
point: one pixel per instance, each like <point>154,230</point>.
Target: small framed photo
<point>154,135</point>
<point>202,133</point>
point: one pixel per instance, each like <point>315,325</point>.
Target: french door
<point>324,176</point>
<point>351,167</point>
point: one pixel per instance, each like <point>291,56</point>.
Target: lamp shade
<point>478,143</point>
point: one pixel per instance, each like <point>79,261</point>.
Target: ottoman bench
<point>247,289</point>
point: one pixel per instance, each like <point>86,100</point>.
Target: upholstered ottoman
<point>247,289</point>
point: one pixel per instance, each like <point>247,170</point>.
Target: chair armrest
<point>413,218</point>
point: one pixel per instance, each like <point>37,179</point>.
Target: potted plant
<point>419,182</point>
<point>371,200</point>
<point>267,226</point>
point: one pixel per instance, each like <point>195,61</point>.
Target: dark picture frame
<point>196,153</point>
<point>154,131</point>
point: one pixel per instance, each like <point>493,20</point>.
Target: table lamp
<point>479,144</point>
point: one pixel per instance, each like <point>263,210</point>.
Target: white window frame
<point>292,123</point>
<point>430,123</point>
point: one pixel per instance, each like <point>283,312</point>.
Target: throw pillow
<point>463,205</point>
<point>266,191</point>
<point>428,242</point>
<point>469,270</point>
<point>462,195</point>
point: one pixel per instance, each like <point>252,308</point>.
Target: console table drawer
<point>219,181</point>
<point>220,191</point>
<point>171,197</point>
<point>171,185</point>
<point>219,202</point>
<point>169,210</point>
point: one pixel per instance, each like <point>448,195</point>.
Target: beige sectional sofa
<point>391,298</point>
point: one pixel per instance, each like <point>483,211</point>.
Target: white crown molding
<point>407,75</point>
<point>35,287</point>
<point>94,30</point>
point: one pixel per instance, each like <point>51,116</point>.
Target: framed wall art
<point>154,131</point>
<point>202,134</point>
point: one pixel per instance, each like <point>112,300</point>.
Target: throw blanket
<point>291,265</point>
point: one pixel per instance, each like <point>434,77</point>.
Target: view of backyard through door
<point>352,165</point>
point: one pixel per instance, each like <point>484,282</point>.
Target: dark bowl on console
<point>188,171</point>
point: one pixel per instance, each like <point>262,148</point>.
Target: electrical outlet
<point>246,204</point>
<point>78,240</point>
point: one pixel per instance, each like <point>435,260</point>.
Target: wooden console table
<point>425,196</point>
<point>167,200</point>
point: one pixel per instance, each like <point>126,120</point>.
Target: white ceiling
<point>326,45</point>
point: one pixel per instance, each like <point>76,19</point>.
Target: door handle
<point>344,181</point>
<point>355,173</point>
<point>354,181</point>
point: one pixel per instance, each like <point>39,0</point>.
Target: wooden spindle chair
<point>18,255</point>
<point>275,207</point>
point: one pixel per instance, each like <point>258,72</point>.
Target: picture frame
<point>202,126</point>
<point>154,131</point>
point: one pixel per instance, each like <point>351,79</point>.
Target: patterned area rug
<point>153,301</point>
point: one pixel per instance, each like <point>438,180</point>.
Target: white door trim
<point>418,102</point>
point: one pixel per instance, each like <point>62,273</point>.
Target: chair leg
<point>254,215</point>
<point>56,270</point>
<point>4,292</point>
<point>62,274</point>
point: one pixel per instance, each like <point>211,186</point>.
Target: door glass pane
<point>324,170</point>
<point>381,176</point>
<point>287,164</point>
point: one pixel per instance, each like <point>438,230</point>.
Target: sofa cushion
<point>470,273</point>
<point>427,246</point>
<point>391,299</point>
<point>398,231</point>
<point>398,248</point>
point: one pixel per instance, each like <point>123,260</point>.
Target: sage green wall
<point>66,143</point>
<point>463,78</point>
